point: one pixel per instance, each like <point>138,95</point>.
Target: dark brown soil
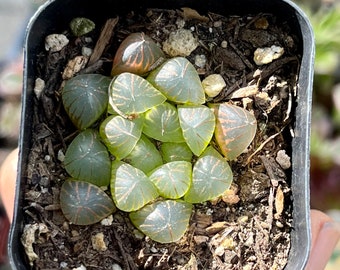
<point>249,228</point>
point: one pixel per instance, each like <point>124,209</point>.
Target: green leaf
<point>87,158</point>
<point>131,189</point>
<point>172,179</point>
<point>137,54</point>
<point>211,177</point>
<point>163,221</point>
<point>161,123</point>
<point>178,80</point>
<point>131,94</point>
<point>175,152</point>
<point>83,203</point>
<point>198,125</point>
<point>85,98</point>
<point>235,129</point>
<point>120,135</point>
<point>144,156</point>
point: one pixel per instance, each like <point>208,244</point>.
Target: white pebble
<point>81,267</point>
<point>55,42</point>
<point>116,267</point>
<point>107,221</point>
<point>39,87</point>
<point>180,43</point>
<point>85,51</point>
<point>213,85</point>
<point>61,155</point>
<point>200,60</point>
<point>224,44</point>
<point>283,159</point>
<point>266,55</point>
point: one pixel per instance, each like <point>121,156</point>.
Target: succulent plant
<point>235,129</point>
<point>84,203</point>
<point>85,98</point>
<point>87,158</point>
<point>131,94</point>
<point>163,221</point>
<point>178,80</point>
<point>159,132</point>
<point>137,54</point>
<point>131,189</point>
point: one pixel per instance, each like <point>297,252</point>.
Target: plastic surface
<point>54,17</point>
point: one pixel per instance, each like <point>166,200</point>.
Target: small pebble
<point>283,159</point>
<point>81,26</point>
<point>39,87</point>
<point>224,44</point>
<point>107,221</point>
<point>98,242</point>
<point>85,51</point>
<point>116,267</point>
<point>180,43</point>
<point>81,267</point>
<point>217,23</point>
<point>74,66</point>
<point>266,55</point>
<point>213,85</point>
<point>55,42</point>
<point>61,155</point>
<point>200,60</point>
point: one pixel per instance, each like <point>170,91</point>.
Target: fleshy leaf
<point>235,129</point>
<point>131,189</point>
<point>120,135</point>
<point>161,123</point>
<point>211,177</point>
<point>83,203</point>
<point>144,155</point>
<point>175,152</point>
<point>178,80</point>
<point>163,221</point>
<point>87,158</point>
<point>198,125</point>
<point>172,179</point>
<point>137,54</point>
<point>132,94</point>
<point>85,98</point>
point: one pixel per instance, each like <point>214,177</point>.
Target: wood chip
<point>103,41</point>
<point>279,202</point>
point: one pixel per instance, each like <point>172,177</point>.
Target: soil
<point>249,227</point>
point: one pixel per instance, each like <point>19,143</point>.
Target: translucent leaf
<point>131,94</point>
<point>144,156</point>
<point>235,129</point>
<point>83,203</point>
<point>161,123</point>
<point>131,189</point>
<point>198,125</point>
<point>163,221</point>
<point>120,135</point>
<point>85,98</point>
<point>210,178</point>
<point>178,80</point>
<point>137,54</point>
<point>175,152</point>
<point>172,179</point>
<point>87,158</point>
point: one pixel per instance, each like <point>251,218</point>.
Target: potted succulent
<point>169,135</point>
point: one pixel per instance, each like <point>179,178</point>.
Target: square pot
<point>54,17</point>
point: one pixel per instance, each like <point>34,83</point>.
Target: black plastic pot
<point>54,17</point>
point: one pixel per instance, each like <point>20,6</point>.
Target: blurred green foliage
<point>325,136</point>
